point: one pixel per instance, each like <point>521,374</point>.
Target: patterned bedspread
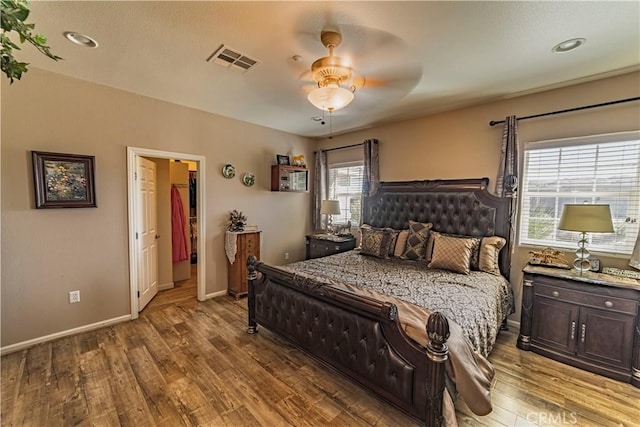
<point>477,302</point>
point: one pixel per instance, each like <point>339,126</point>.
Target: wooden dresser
<point>247,243</point>
<point>589,321</point>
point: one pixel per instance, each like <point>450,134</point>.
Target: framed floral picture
<point>63,180</point>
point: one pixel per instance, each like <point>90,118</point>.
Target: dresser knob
<point>555,294</point>
<point>608,304</point>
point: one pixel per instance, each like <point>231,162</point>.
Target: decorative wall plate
<point>248,179</point>
<point>228,171</point>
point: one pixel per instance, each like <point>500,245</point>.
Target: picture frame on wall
<point>283,159</point>
<point>63,180</point>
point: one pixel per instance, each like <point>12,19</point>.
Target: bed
<point>379,340</point>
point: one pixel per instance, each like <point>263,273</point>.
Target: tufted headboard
<point>461,206</point>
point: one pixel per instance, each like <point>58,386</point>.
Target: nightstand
<point>319,245</point>
<point>587,320</point>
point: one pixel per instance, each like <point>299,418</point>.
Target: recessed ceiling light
<point>80,39</point>
<point>316,118</point>
<point>568,45</point>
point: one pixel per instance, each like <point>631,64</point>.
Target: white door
<point>146,230</point>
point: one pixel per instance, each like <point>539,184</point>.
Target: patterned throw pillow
<point>401,243</point>
<point>393,241</point>
<point>417,240</point>
<point>375,242</point>
<point>490,253</point>
<point>474,261</point>
<point>475,248</point>
<point>451,253</point>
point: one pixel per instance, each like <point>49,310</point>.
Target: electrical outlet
<point>286,255</point>
<point>74,297</point>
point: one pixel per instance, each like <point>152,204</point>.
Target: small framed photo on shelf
<point>63,180</point>
<point>282,159</point>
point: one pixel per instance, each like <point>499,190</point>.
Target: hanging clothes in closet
<point>178,226</point>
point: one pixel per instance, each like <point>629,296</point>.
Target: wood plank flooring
<point>191,363</point>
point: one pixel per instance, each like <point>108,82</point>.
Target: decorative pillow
<point>429,246</point>
<point>489,254</point>
<point>401,243</point>
<point>375,242</point>
<point>475,248</point>
<point>417,240</point>
<point>451,253</point>
<point>474,261</point>
<point>362,227</point>
<point>393,241</point>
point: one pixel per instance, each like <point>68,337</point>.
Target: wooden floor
<point>190,363</point>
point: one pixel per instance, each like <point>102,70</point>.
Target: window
<point>345,185</point>
<point>603,169</point>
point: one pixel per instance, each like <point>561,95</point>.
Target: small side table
<point>246,243</point>
<point>321,245</point>
<point>590,320</point>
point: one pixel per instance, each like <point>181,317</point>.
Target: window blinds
<point>345,185</point>
<point>581,171</point>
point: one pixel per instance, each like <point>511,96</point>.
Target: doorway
<point>133,154</point>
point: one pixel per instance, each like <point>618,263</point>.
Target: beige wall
<point>48,252</point>
<point>461,144</point>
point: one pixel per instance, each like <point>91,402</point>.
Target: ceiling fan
<point>390,68</point>
<point>330,73</point>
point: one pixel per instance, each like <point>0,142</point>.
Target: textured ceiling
<point>415,57</point>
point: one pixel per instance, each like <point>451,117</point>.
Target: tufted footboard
<point>358,336</point>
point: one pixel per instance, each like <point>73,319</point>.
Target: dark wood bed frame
<point>361,337</point>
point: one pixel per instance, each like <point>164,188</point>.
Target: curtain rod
<point>585,107</point>
<point>342,148</point>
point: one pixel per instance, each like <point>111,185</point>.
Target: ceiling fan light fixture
<point>329,72</point>
<point>330,97</point>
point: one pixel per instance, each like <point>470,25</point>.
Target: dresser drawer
<point>605,302</point>
<point>320,247</point>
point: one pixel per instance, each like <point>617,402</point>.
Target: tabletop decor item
<point>248,179</point>
<point>585,218</point>
<point>63,180</point>
<point>237,221</point>
<point>282,159</point>
<point>228,171</point>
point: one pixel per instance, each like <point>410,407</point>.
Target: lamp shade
<point>330,97</point>
<point>330,207</point>
<point>586,218</point>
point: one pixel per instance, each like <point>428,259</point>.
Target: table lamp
<point>585,219</point>
<point>329,208</point>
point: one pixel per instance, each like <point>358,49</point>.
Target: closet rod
<point>585,107</point>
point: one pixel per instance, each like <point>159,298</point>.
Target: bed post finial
<point>438,333</point>
<point>437,351</point>
<point>252,275</point>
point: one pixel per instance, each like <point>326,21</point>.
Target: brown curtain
<point>319,188</point>
<point>371,176</point>
<point>507,181</point>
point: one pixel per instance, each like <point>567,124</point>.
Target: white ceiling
<point>416,57</point>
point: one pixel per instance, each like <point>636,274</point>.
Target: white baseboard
<point>30,343</point>
<point>214,295</point>
<point>166,286</point>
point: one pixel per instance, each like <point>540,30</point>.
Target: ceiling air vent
<point>231,58</point>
